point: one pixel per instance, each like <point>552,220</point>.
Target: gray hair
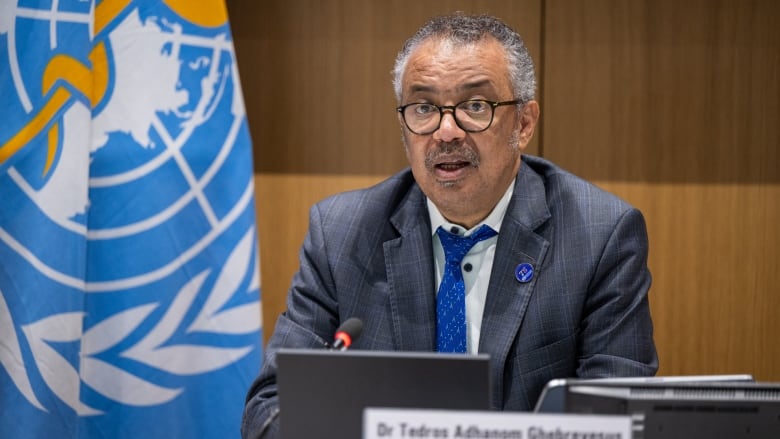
<point>466,29</point>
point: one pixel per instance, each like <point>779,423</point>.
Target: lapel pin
<point>524,272</point>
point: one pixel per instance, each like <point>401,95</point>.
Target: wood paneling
<point>663,90</point>
<point>317,83</point>
<point>714,260</point>
<point>674,105</point>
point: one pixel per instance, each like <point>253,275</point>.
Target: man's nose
<point>448,128</point>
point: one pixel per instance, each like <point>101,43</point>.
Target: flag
<point>129,281</point>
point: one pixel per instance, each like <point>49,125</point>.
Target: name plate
<point>452,424</point>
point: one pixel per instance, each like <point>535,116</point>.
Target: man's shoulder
<point>564,187</point>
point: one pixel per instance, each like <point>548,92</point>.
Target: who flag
<point>129,283</point>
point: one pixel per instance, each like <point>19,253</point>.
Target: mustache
<point>451,152</point>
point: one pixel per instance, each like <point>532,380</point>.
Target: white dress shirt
<point>479,258</point>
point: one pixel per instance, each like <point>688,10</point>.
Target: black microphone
<point>348,332</point>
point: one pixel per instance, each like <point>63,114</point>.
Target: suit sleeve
<point>310,319</point>
<point>616,333</point>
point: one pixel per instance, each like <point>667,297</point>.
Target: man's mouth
<point>451,162</point>
<point>452,166</point>
<point>450,172</point>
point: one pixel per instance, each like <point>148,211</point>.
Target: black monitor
<point>701,407</point>
<point>323,393</point>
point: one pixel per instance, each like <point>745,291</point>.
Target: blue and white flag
<point>129,282</point>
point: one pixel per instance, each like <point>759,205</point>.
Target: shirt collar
<point>494,219</point>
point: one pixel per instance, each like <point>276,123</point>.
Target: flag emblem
<point>129,288</point>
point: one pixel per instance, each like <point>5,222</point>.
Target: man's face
<point>464,174</point>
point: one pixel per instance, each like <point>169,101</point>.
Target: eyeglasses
<point>473,116</point>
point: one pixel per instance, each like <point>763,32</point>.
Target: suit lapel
<point>410,273</point>
<point>508,298</point>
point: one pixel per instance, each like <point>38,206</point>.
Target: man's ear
<point>528,117</point>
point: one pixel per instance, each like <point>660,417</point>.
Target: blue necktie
<point>451,299</point>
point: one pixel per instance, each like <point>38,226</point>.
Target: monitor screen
<point>323,393</point>
<point>682,407</point>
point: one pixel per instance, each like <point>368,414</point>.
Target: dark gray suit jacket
<point>585,313</point>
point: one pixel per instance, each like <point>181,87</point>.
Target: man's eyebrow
<point>420,88</point>
<point>423,88</point>
<point>475,84</point>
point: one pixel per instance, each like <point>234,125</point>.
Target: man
<point>558,287</point>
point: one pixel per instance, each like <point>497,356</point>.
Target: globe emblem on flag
<point>135,166</point>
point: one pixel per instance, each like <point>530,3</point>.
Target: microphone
<point>348,332</point>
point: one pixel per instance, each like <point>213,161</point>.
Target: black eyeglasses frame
<point>451,108</point>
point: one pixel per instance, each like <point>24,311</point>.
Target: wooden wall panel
<point>663,90</point>
<point>674,105</point>
<point>714,261</point>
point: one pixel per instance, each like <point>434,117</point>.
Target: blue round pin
<point>524,272</point>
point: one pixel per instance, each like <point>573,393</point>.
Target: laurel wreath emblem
<point>154,349</point>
